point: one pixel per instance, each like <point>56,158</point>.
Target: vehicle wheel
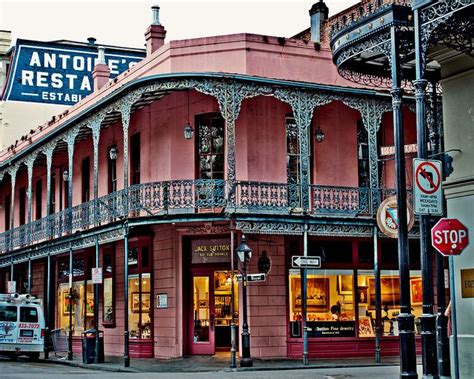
<point>34,356</point>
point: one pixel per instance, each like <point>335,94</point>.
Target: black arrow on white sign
<point>298,261</point>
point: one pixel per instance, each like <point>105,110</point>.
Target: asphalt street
<point>25,369</point>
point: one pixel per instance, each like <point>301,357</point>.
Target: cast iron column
<point>48,307</point>
<point>233,334</point>
<point>378,297</point>
<point>428,321</point>
<point>246,360</point>
<point>444,364</point>
<point>406,324</point>
<point>69,353</point>
<point>126,357</point>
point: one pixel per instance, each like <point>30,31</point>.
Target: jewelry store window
<point>81,304</point>
<point>330,303</point>
<point>390,301</point>
<point>140,303</point>
<point>108,294</point>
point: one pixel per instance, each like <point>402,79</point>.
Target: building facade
<point>156,175</point>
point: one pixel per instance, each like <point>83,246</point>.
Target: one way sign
<point>298,261</point>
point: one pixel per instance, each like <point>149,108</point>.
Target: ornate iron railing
<point>188,197</point>
<point>340,200</point>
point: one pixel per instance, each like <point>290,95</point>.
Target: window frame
<point>213,118</point>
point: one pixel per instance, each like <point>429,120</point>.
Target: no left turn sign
<point>427,187</point>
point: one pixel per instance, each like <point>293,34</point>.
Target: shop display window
<point>108,315</point>
<point>390,301</point>
<point>81,306</point>
<point>330,303</point>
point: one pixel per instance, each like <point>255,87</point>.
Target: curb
<point>100,367</point>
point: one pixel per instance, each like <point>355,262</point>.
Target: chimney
<point>101,72</point>
<point>318,13</point>
<point>155,34</point>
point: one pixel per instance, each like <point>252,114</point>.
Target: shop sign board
<point>96,275</point>
<point>298,261</point>
<point>11,286</point>
<point>387,217</point>
<point>467,283</point>
<point>427,188</point>
<point>212,250</point>
<point>60,72</point>
<point>331,328</point>
<point>449,236</point>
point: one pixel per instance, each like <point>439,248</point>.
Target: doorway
<point>210,310</point>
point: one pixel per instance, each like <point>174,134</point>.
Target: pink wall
<point>261,140</point>
<point>267,307</point>
<point>335,159</point>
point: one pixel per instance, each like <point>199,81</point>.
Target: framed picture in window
<point>362,294</point>
<point>365,327</point>
<point>67,304</point>
<point>390,291</point>
<point>345,285</point>
<point>90,307</point>
<point>317,294</point>
<point>416,291</point>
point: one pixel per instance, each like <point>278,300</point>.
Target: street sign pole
<point>454,324</point>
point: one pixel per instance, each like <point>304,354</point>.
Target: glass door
<point>202,320</point>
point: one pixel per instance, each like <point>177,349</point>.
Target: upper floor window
<point>22,205</point>
<point>39,198</point>
<point>52,198</point>
<point>363,154</point>
<point>112,172</point>
<point>86,175</point>
<point>7,205</point>
<point>135,158</point>
<point>293,156</point>
<point>210,133</point>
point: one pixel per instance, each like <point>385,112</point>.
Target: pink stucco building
<point>205,140</point>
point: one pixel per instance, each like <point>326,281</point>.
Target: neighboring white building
<point>40,80</point>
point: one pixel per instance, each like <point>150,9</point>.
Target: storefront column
<point>12,171</point>
<point>48,152</point>
<point>378,297</point>
<point>29,165</point>
<point>126,347</point>
<point>29,274</point>
<point>94,125</point>
<point>48,306</point>
<point>70,139</point>
<point>69,353</point>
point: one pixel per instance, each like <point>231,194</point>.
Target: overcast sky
<point>124,22</point>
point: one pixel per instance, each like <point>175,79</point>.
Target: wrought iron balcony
<point>191,197</point>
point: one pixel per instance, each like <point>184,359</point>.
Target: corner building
<point>203,141</point>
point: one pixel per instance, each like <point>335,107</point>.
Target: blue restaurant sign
<point>60,72</point>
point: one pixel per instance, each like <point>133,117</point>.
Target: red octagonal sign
<point>449,236</point>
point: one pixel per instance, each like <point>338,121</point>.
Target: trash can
<point>88,346</point>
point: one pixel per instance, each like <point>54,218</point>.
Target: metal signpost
<point>450,237</point>
<point>428,192</point>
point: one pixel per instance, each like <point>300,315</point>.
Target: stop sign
<point>449,236</point>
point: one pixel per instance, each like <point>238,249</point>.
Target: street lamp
<point>244,252</point>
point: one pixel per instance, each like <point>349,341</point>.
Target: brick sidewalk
<point>218,362</point>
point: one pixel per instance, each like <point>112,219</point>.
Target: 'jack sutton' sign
<point>59,73</point>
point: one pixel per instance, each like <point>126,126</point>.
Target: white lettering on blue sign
<point>60,74</point>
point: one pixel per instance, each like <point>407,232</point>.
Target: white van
<point>22,326</point>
